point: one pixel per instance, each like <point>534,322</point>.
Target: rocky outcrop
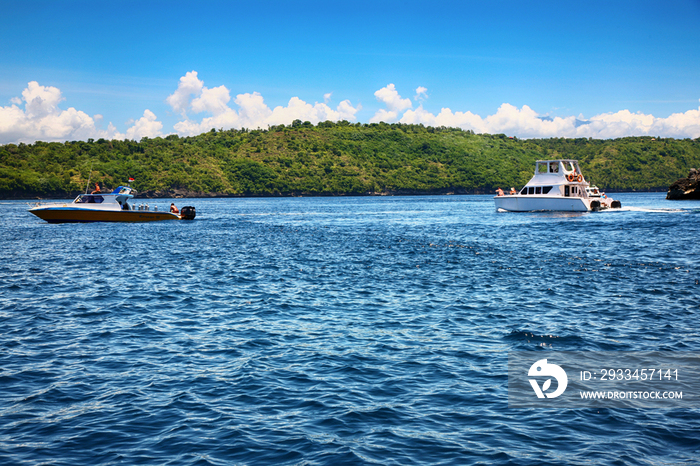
<point>685,188</point>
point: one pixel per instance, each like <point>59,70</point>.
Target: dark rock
<point>685,189</point>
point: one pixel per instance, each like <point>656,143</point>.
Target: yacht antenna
<point>87,186</point>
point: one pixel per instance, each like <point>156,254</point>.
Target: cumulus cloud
<point>36,115</point>
<point>254,113</point>
<point>251,112</point>
<point>189,85</point>
<point>394,103</point>
<point>526,123</point>
<point>41,100</point>
<point>42,120</point>
<point>214,101</point>
<point>297,109</point>
<point>146,126</point>
<point>421,93</point>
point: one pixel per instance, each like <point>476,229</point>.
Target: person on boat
<point>512,192</point>
<point>97,189</point>
<point>499,192</point>
<point>173,208</point>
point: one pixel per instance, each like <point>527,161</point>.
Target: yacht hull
<point>525,203</point>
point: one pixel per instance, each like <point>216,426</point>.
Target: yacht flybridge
<point>557,185</point>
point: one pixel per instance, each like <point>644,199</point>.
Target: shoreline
<point>184,194</point>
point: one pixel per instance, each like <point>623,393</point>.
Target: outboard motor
<point>616,204</point>
<point>595,205</point>
<point>188,213</point>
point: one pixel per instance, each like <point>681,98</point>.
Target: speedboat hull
<point>106,207</point>
<point>72,215</point>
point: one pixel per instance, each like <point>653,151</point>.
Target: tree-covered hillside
<point>333,158</point>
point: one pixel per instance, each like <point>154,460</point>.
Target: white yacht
<point>557,185</point>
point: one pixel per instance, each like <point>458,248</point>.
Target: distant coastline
<point>194,195</point>
<point>333,159</point>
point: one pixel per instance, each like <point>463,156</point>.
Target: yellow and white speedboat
<point>112,207</point>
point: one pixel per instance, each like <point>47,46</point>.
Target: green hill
<point>333,159</point>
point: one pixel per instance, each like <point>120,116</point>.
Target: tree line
<point>334,158</point>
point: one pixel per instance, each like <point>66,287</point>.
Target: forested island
<point>333,158</point>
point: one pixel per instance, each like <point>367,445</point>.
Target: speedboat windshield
<point>89,199</point>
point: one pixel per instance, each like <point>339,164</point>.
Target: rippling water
<point>336,331</point>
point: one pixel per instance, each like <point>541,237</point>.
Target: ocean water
<point>352,330</point>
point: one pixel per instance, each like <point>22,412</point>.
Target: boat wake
<point>656,209</point>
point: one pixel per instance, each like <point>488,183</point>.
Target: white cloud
<point>252,111</point>
<point>41,100</point>
<point>146,126</point>
<point>42,119</point>
<point>347,111</point>
<point>189,85</point>
<point>214,101</point>
<point>227,119</point>
<point>678,125</point>
<point>526,123</point>
<point>395,104</point>
<point>37,116</point>
<point>297,109</point>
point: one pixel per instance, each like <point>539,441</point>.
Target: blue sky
<point>529,69</point>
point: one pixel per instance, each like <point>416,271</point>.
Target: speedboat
<point>112,207</point>
<point>593,191</point>
<point>557,185</point>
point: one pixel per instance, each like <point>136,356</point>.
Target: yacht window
<point>538,190</point>
<point>546,189</point>
<point>566,190</point>
<point>531,190</point>
<point>542,167</point>
<point>553,167</point>
<point>524,191</point>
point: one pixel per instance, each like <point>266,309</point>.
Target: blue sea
<point>330,331</point>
